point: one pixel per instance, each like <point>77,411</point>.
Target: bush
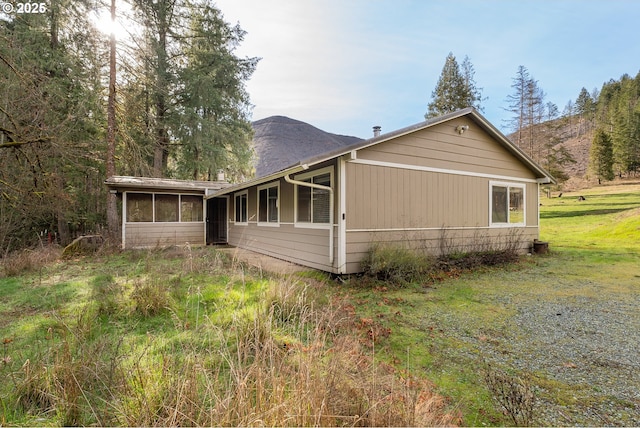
<point>395,264</point>
<point>399,265</point>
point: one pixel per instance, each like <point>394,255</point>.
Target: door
<point>217,221</point>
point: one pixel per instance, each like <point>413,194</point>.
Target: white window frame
<point>153,206</point>
<point>268,186</point>
<point>509,186</point>
<point>235,208</point>
<point>305,176</point>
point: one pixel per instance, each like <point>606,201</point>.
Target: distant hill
<point>280,142</point>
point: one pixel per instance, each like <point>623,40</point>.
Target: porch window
<point>139,207</point>
<point>166,208</point>
<point>241,208</point>
<point>268,203</point>
<point>163,207</point>
<point>507,204</point>
<point>313,204</point>
<point>190,208</point>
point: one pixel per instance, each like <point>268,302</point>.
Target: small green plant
<point>107,294</point>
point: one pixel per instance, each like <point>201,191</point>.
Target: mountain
<point>280,142</point>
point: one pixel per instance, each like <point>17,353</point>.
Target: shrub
<point>395,264</point>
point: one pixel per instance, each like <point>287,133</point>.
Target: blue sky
<point>347,65</point>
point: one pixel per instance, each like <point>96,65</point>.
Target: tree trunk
<point>112,201</point>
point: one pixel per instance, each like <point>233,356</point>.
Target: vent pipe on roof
<point>220,176</point>
<point>376,131</point>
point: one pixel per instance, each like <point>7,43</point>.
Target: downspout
<point>288,179</point>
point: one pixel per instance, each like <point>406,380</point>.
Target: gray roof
<point>470,112</point>
<point>151,183</point>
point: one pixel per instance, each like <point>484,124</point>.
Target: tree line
<point>178,104</point>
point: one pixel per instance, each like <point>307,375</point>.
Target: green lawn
<point>608,219</point>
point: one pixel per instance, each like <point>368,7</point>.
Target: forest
<point>179,109</point>
<point>169,100</point>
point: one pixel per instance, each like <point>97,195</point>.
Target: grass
<point>187,337</point>
<point>607,220</point>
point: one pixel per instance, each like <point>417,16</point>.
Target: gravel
<point>583,354</point>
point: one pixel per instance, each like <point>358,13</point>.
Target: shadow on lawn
<point>586,210</point>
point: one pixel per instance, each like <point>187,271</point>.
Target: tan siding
<point>442,147</point>
<point>409,199</point>
<point>308,247</point>
<point>432,242</point>
<point>139,235</point>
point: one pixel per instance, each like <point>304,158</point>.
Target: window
<point>162,207</point>
<point>190,208</point>
<point>166,208</point>
<point>241,208</point>
<point>268,203</point>
<point>139,207</point>
<point>507,204</point>
<point>313,204</point>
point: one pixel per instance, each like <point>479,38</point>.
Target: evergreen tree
<point>456,89</point>
<point>214,131</point>
<point>50,113</point>
<point>601,156</point>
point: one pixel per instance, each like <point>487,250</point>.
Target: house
<point>450,183</point>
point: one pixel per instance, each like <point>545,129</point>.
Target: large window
<point>313,204</point>
<point>241,208</point>
<point>139,207</point>
<point>507,204</point>
<point>162,207</point>
<point>268,203</point>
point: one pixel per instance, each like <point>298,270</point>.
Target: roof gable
<point>472,114</point>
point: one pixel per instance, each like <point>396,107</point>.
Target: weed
<point>107,293</point>
<point>513,393</point>
<point>150,297</point>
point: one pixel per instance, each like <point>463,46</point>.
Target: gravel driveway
<point>583,353</point>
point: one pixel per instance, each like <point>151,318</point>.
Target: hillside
<point>575,136</point>
<point>280,142</point>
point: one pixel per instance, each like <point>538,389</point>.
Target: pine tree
<point>601,156</point>
<point>215,132</point>
<point>456,89</point>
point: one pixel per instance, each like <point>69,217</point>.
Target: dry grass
<point>285,357</point>
<point>29,260</point>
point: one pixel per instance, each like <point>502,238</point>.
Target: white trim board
<point>441,170</point>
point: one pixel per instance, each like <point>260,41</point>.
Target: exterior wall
<point>430,190</point>
<point>305,244</point>
<point>144,235</point>
<point>159,234</point>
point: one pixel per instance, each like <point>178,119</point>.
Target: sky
<point>347,65</point>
